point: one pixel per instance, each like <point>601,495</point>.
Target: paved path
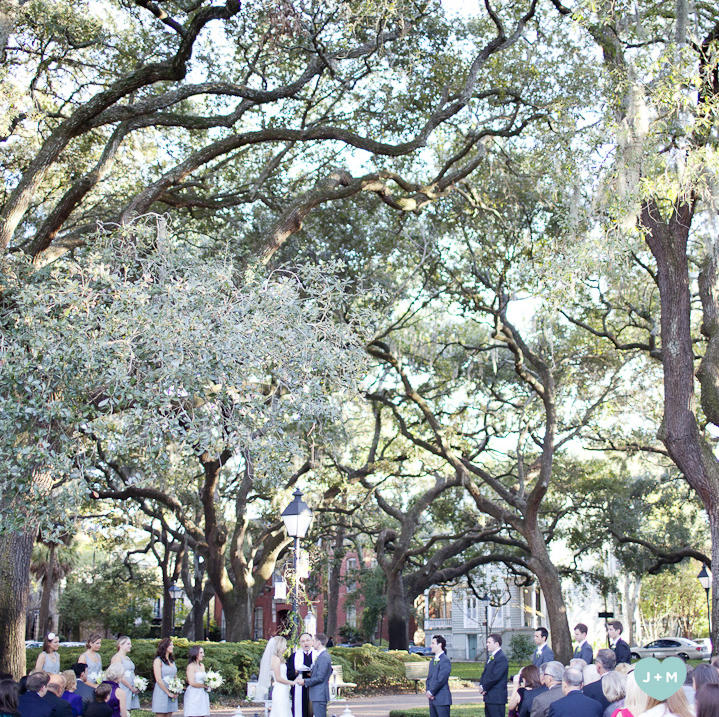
<point>369,706</point>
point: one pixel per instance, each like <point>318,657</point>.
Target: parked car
<point>418,649</point>
<point>705,642</point>
<point>672,647</point>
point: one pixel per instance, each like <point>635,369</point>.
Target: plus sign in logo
<point>660,680</point>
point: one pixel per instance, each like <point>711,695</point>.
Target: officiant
<point>300,663</point>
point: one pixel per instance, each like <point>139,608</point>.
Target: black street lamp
<point>705,578</point>
<point>297,517</point>
<point>175,593</point>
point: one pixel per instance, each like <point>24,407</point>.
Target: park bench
<point>416,671</point>
<point>337,683</point>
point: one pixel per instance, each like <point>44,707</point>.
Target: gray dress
<point>52,663</point>
<point>132,701</point>
<point>160,701</point>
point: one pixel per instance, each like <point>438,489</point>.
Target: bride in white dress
<point>273,668</point>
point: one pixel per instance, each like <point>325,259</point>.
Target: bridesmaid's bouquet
<point>175,684</point>
<point>141,683</point>
<point>98,677</point>
<point>213,680</point>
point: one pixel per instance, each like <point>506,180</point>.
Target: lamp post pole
<point>297,517</point>
<point>705,578</point>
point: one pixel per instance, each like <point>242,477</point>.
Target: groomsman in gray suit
<point>318,685</point>
<point>583,648</point>
<point>543,653</point>
<point>438,694</point>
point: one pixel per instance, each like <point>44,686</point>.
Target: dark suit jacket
<point>437,680</point>
<point>86,693</point>
<point>541,703</point>
<point>585,653</point>
<point>32,705</point>
<point>623,652</point>
<point>546,656</point>
<point>318,685</point>
<point>575,704</point>
<point>595,691</point>
<point>61,708</point>
<point>525,707</point>
<point>494,679</point>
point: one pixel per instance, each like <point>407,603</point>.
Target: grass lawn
<point>461,710</point>
<point>473,670</point>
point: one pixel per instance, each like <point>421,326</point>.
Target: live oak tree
<point>229,116</point>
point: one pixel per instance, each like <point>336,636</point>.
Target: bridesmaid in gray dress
<point>127,682</point>
<point>164,701</point>
<point>49,658</point>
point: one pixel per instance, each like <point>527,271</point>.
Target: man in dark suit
<point>605,662</point>
<point>543,653</point>
<point>318,683</point>
<point>574,702</point>
<point>553,672</point>
<point>55,688</point>
<point>493,683</point>
<point>438,694</point>
<point>620,647</point>
<point>583,648</point>
<point>31,702</point>
<point>86,693</point>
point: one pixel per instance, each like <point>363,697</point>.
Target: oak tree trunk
<point>15,554</point>
<point>398,613</point>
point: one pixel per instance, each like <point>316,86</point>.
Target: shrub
<point>521,647</point>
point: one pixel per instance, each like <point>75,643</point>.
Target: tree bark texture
<point>47,586</point>
<point>15,555</point>
<point>680,432</point>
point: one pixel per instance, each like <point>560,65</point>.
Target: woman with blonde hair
<point>636,700</point>
<point>49,659</point>
<point>92,658</point>
<point>273,670</point>
<point>127,681</point>
<point>676,705</point>
<point>614,687</point>
<point>69,694</point>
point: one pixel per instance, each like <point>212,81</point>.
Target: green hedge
<point>367,666</point>
<point>235,661</point>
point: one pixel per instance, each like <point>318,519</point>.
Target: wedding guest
<point>674,706</point>
<point>614,686</point>
<point>100,706</point>
<point>92,658</point>
<point>69,695</point>
<point>707,700</point>
<point>9,699</point>
<point>636,700</point>
<point>688,685</point>
<point>164,701</point>
<point>590,674</point>
<point>49,659</point>
<point>117,700</point>
<point>703,675</point>
<point>127,681</point>
<point>527,679</point>
<point>83,688</point>
<point>55,689</point>
<point>31,703</point>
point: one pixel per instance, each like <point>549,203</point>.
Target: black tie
<point>308,659</point>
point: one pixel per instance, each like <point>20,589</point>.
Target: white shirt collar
<point>496,651</point>
<point>541,647</point>
<point>579,644</point>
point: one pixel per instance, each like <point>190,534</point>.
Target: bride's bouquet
<point>141,683</point>
<point>213,680</point>
<point>175,684</point>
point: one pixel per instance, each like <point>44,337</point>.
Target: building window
<point>471,611</point>
<point>259,623</point>
<point>351,574</point>
<point>440,604</point>
<point>352,615</point>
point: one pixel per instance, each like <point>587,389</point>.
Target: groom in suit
<point>493,683</point>
<point>438,694</point>
<point>318,684</point>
